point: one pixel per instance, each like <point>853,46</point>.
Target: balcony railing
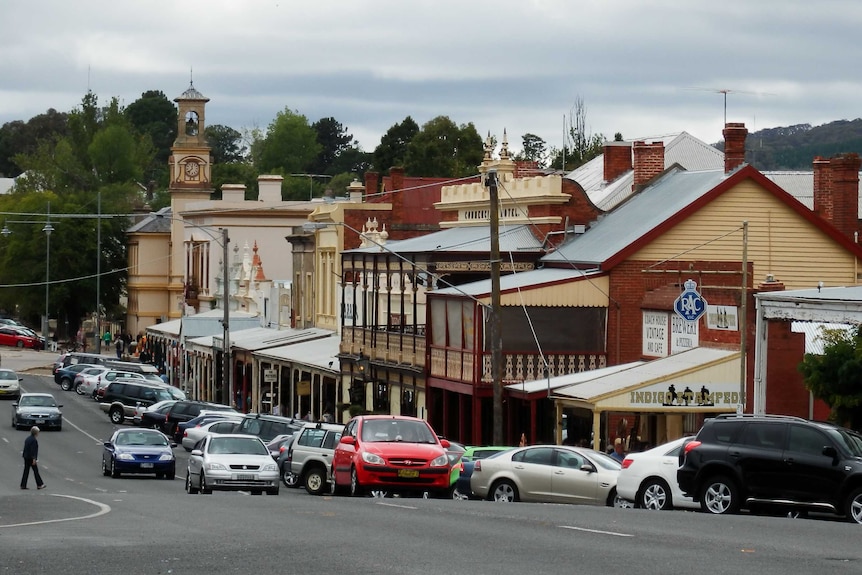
<point>458,365</point>
<point>394,347</point>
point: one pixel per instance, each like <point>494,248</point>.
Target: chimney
<point>397,195</point>
<point>648,161</point>
<point>822,188</point>
<point>233,192</point>
<point>734,146</point>
<point>372,186</point>
<point>845,193</point>
<point>618,159</point>
<point>269,188</point>
<point>355,191</point>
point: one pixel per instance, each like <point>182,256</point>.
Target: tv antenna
<point>726,91</point>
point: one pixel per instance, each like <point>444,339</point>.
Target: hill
<point>794,147</point>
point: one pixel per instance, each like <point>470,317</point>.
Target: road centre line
<point>600,532</point>
<point>395,505</point>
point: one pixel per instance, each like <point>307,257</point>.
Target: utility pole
<point>226,374</point>
<point>494,326</point>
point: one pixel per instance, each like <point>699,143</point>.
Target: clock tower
<point>190,181</point>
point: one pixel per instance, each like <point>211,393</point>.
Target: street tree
<point>834,376</point>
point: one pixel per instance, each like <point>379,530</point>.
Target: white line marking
<point>100,442</point>
<point>6,440</point>
<point>102,510</point>
<point>394,505</point>
<point>600,532</point>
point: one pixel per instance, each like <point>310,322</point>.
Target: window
<point>569,459</point>
<point>535,455</point>
<point>806,440</point>
<point>381,397</point>
<point>331,439</point>
<point>312,437</point>
<point>763,435</point>
<point>408,401</point>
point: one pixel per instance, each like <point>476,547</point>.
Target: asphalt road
<point>84,523</point>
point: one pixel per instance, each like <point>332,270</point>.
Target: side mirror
<point>830,451</point>
<point>347,440</point>
<point>588,467</point>
<point>107,444</point>
<point>445,443</point>
<point>15,404</point>
<point>197,452</point>
<point>173,444</point>
<point>59,406</point>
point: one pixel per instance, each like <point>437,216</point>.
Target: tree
<point>534,149</point>
<point>834,376</point>
<point>581,145</point>
<point>226,144</point>
<point>334,141</point>
<point>290,145</point>
<point>444,149</point>
<point>19,137</point>
<point>154,115</point>
<point>392,149</point>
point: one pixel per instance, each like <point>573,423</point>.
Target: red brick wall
<point>822,188</point>
<point>734,146</point>
<point>617,160</point>
<point>785,391</point>
<point>845,193</point>
<point>648,161</point>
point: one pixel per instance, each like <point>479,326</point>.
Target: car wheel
<point>105,471</point>
<point>853,507</point>
<point>288,478</point>
<point>655,495</point>
<point>378,493</point>
<point>114,472</point>
<point>65,384</point>
<point>315,480</point>
<point>503,491</point>
<point>204,489</point>
<point>457,495</point>
<point>116,415</point>
<point>356,489</point>
<point>190,489</point>
<point>614,500</point>
<point>20,344</point>
<point>720,496</point>
<point>79,389</point>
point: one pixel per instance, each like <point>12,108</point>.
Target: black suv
<point>753,461</point>
<point>122,396</point>
<point>268,426</point>
<point>183,411</point>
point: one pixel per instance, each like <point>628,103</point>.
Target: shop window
<point>381,397</point>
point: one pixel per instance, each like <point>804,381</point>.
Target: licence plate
<point>409,473</point>
<point>245,477</point>
<point>38,421</point>
<point>146,465</point>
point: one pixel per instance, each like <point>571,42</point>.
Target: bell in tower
<point>191,123</point>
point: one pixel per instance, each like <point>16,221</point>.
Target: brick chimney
<point>396,196</point>
<point>648,161</point>
<point>822,188</point>
<point>734,146</point>
<point>845,193</point>
<point>372,186</point>
<point>618,159</point>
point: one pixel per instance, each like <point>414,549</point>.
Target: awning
<point>319,353</point>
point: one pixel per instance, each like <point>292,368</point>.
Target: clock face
<point>192,169</point>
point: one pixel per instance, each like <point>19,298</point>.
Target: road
<point>84,523</point>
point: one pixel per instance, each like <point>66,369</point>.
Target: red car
<point>12,335</point>
<point>390,453</point>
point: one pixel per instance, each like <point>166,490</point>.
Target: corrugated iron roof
<point>322,353</point>
<point>634,219</point>
<point>520,280</point>
<point>814,333</point>
<point>264,337</point>
<point>570,379</point>
<point>153,224</point>
<point>473,239</point>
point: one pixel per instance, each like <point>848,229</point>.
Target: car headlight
<point>270,467</point>
<point>166,457</point>
<point>126,457</point>
<point>213,466</point>
<point>440,461</point>
<point>372,458</point>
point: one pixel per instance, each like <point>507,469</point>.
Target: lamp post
<point>47,229</point>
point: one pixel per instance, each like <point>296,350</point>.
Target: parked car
<point>392,453</point>
<point>221,425</point>
<point>186,410</point>
<point>547,474</point>
<point>10,384</point>
<point>648,478</point>
<point>282,444</point>
<point>231,462</point>
<point>152,416</point>
<point>86,381</point>
<point>468,460</point>
<point>73,357</point>
<point>39,409</point>
<point>756,461</point>
<point>268,426</point>
<point>121,397</point>
<point>65,376</point>
<point>11,336</point>
<point>139,451</point>
<point>26,331</point>
<point>106,378</point>
<point>310,455</point>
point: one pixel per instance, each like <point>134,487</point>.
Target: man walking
<point>31,456</point>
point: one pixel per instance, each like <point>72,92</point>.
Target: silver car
<point>231,463</point>
<point>547,474</point>
<point>219,426</point>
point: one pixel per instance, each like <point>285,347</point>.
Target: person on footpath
<point>31,459</point>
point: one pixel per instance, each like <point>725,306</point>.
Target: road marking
<point>395,505</point>
<point>600,532</point>
<point>103,509</point>
<point>6,440</point>
<point>82,431</point>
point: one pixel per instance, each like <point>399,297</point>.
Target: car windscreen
<point>851,440</point>
<point>39,401</point>
<point>384,430</point>
<point>9,375</point>
<point>237,445</point>
<point>605,461</point>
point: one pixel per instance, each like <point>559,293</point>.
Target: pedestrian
<point>118,343</point>
<point>619,452</point>
<point>31,459</point>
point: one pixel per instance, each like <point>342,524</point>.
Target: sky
<point>643,68</point>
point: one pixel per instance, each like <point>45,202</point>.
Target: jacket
<point>31,448</point>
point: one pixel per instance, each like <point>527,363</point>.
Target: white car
<point>220,426</point>
<point>649,478</point>
<point>231,463</point>
<point>87,380</point>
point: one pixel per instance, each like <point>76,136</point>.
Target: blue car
<point>468,461</point>
<point>139,451</point>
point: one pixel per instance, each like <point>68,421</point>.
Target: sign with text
<point>270,375</point>
<point>722,396</point>
<point>655,333</point>
<point>684,335</point>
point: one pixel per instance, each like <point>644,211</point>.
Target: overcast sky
<point>643,67</point>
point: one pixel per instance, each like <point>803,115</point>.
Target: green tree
<point>534,149</point>
<point>226,144</point>
<point>444,149</point>
<point>20,137</point>
<point>334,141</point>
<point>153,114</point>
<point>392,149</point>
<point>290,145</point>
<point>834,376</point>
<point>581,145</point>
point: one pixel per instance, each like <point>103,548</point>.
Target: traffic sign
<point>690,305</point>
